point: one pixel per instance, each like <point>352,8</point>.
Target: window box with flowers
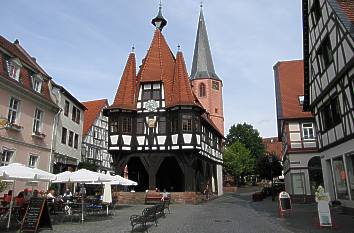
<point>14,127</point>
<point>38,135</point>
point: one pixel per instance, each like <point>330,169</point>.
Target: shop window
<point>298,183</point>
<point>350,168</point>
<point>340,177</point>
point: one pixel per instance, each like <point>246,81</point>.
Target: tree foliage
<point>248,136</point>
<point>264,168</point>
<point>238,160</point>
<point>88,166</point>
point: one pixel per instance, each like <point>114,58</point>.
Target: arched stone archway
<point>137,172</point>
<point>170,176</point>
<point>315,173</point>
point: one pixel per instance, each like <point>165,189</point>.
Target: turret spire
<point>159,21</point>
<point>202,66</point>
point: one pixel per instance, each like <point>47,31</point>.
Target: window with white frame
<point>33,161</point>
<point>13,110</point>
<point>13,68</point>
<point>37,81</point>
<point>37,121</point>
<point>301,100</point>
<point>6,157</point>
<point>308,132</point>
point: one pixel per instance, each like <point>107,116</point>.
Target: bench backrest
<point>149,211</point>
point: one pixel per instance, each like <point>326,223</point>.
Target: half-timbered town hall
<point>165,127</point>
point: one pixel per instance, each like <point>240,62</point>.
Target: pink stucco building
<point>27,109</point>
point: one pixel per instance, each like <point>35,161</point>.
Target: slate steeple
<point>202,66</point>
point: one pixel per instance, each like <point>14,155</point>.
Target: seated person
<point>20,199</point>
<point>51,195</point>
<point>27,194</point>
<point>67,195</point>
<point>8,197</point>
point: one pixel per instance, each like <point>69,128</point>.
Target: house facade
<point>297,132</point>
<point>26,108</point>
<point>328,90</point>
<point>94,147</point>
<point>159,128</point>
<point>68,130</point>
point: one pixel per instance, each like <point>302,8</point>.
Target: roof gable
<point>94,108</point>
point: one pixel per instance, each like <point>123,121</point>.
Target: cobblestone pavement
<point>228,214</point>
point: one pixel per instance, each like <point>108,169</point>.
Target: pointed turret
<point>206,85</point>
<point>202,66</point>
<point>159,21</point>
<point>181,89</point>
<point>126,94</point>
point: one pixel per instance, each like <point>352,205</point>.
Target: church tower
<point>207,86</point>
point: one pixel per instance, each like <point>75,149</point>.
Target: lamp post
<point>270,159</point>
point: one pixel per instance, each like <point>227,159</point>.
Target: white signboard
<point>324,214</point>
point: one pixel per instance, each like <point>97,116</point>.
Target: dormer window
<point>37,81</point>
<point>13,68</point>
<point>301,100</point>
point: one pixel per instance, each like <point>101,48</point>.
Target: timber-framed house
<point>159,129</point>
<point>329,82</point>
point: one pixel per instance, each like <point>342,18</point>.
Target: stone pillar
<point>219,179</point>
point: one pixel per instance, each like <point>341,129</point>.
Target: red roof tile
<point>15,50</point>
<point>126,94</point>
<point>181,88</point>
<point>273,146</point>
<point>94,108</point>
<point>347,7</point>
<point>289,85</point>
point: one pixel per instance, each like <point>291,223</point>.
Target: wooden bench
<point>153,197</point>
<point>147,215</point>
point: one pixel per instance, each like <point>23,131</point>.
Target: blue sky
<point>84,44</point>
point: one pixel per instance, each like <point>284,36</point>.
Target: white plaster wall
<point>70,125</point>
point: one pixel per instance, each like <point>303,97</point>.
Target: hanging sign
<point>324,213</point>
<point>284,203</point>
<point>37,216</point>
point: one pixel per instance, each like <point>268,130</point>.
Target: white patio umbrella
<point>107,194</point>
<point>82,176</point>
<point>118,180</point>
<point>19,172</point>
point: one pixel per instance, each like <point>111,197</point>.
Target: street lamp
<point>270,159</point>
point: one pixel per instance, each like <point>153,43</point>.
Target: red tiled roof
<point>347,7</point>
<point>158,65</point>
<point>17,51</point>
<point>94,108</point>
<point>181,87</point>
<point>126,94</point>
<point>273,146</point>
<point>289,80</point>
